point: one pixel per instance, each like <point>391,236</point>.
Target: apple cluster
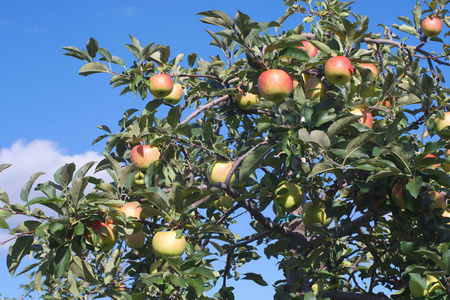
<point>162,86</point>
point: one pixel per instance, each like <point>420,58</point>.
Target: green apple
<point>135,240</point>
<point>441,123</point>
<point>218,171</point>
<point>289,195</point>
<point>166,243</point>
<point>314,216</point>
<point>275,85</point>
<point>225,201</point>
<point>418,291</point>
<point>160,85</point>
<point>338,70</point>
<point>144,155</point>
<point>314,88</point>
<point>437,200</point>
<point>175,96</point>
<point>246,100</point>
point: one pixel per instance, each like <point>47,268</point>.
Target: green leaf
<point>198,284</point>
<point>358,142</point>
<point>93,68</point>
<point>340,124</point>
<point>252,160</point>
<point>216,17</point>
<point>25,192</point>
<point>322,167</point>
<point>173,118</point>
<point>17,251</point>
<point>62,260</point>
<point>64,175</point>
<point>92,47</point>
<point>257,278</point>
<point>4,197</point>
<point>215,228</point>
<point>4,166</point>
<point>106,55</point>
<point>73,286</point>
<point>3,224</point>
<point>82,269</point>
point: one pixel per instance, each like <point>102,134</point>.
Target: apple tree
<point>334,142</point>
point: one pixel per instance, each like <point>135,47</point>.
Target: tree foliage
<point>342,166</point>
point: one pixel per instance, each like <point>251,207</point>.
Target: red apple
<point>245,99</point>
<point>367,118</point>
<point>441,123</point>
<point>431,26</point>
<point>437,200</point>
<point>144,155</point>
<point>166,243</point>
<point>175,96</point>
<point>218,171</point>
<point>132,209</point>
<point>436,166</point>
<point>275,85</point>
<point>397,194</point>
<point>135,240</point>
<point>314,88</point>
<point>289,195</point>
<point>160,85</point>
<point>107,235</point>
<point>338,70</point>
<point>310,48</point>
<point>371,67</point>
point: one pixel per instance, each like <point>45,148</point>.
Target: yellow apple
<point>143,156</point>
<point>218,171</point>
<point>314,216</point>
<point>175,96</point>
<point>166,243</point>
<point>245,99</point>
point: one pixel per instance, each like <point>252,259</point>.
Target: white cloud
<point>28,158</point>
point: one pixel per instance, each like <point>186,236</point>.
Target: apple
<point>386,103</point>
<point>166,243</point>
<point>107,235</point>
<point>338,70</point>
<point>314,88</point>
<point>447,152</point>
<point>225,201</point>
<point>175,96</point>
<point>132,209</point>
<point>418,291</point>
<point>371,67</point>
<point>445,167</point>
<point>289,195</point>
<point>144,155</point>
<point>441,123</point>
<point>437,200</point>
<point>135,240</point>
<point>160,85</point>
<point>397,194</point>
<point>218,171</point>
<point>310,48</point>
<point>275,85</point>
<point>431,26</point>
<point>436,166</point>
<point>367,118</point>
<point>246,100</point>
<point>314,215</point>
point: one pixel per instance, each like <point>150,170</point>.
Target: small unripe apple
<point>314,216</point>
<point>246,100</point>
<point>310,48</point>
<point>160,85</point>
<point>218,171</point>
<point>175,96</point>
<point>431,26</point>
<point>367,118</point>
<point>441,123</point>
<point>166,243</point>
<point>338,70</point>
<point>275,85</point>
<point>144,155</point>
<point>289,195</point>
<point>135,240</point>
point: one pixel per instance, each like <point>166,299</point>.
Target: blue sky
<point>49,113</point>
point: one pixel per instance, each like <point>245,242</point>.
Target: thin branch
<point>203,108</point>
